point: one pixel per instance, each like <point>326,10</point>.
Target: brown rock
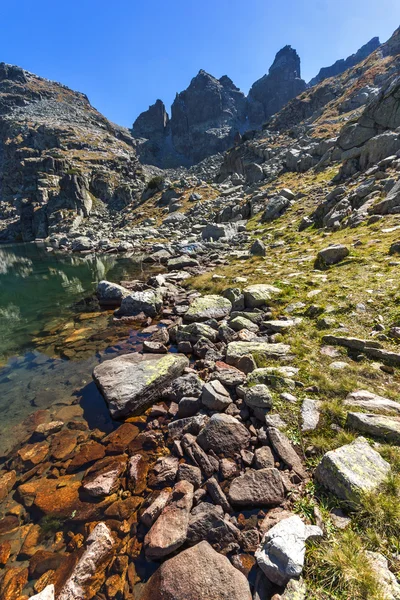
<point>31,542</point>
<point>43,561</point>
<point>103,478</point>
<point>153,511</point>
<point>33,454</point>
<point>169,532</point>
<point>198,573</point>
<point>87,455</point>
<point>9,523</point>
<point>285,451</point>
<point>7,482</point>
<point>5,551</point>
<point>63,444</point>
<point>257,488</point>
<point>123,509</point>
<point>164,472</point>
<point>118,441</point>
<point>138,468</point>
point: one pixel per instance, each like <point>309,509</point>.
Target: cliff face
<point>206,117</point>
<point>58,155</point>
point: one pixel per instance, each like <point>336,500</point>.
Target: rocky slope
<point>60,159</point>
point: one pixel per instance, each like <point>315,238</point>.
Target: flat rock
<point>372,402</point>
<point>103,478</point>
<point>236,351</point>
<point>382,426</point>
<point>198,573</point>
<point>169,531</point>
<point>282,550</point>
<point>257,488</point>
<point>215,396</point>
<point>132,382</point>
<point>351,470</point>
<point>259,294</point>
<point>208,307</point>
<point>224,434</point>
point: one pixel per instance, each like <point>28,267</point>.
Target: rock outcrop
<point>340,66</point>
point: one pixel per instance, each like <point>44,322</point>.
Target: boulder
<point>258,396</point>
<point>207,522</point>
<point>275,208</point>
<point>132,382</point>
<point>381,426</point>
<point>391,204</point>
<point>224,434</point>
<point>99,546</point>
<point>263,487</point>
<point>46,594</point>
<point>182,262</point>
<point>169,531</point>
<point>331,255</point>
<point>351,470</point>
<point>198,573</point>
<point>282,550</point>
<point>259,294</point>
<point>239,323</point>
<point>111,294</point>
<point>147,302</point>
<point>208,307</point>
<point>215,396</point>
<point>214,231</point>
<point>258,248</point>
<point>237,352</point>
<point>372,402</point>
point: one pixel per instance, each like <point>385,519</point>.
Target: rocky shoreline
<point>193,495</point>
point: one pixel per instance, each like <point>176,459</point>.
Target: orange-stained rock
<point>13,582</point>
<point>63,444</point>
<point>87,455</point>
<point>7,482</point>
<point>123,509</point>
<point>5,551</point>
<point>33,454</point>
<point>60,498</point>
<point>43,561</point>
<point>114,585</point>
<point>67,413</point>
<point>43,581</point>
<point>31,542</point>
<point>118,441</point>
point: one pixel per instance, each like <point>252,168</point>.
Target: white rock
<point>46,594</point>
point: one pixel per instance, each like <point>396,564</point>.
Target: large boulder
<point>331,255</point>
<point>111,294</point>
<point>148,302</point>
<point>257,488</point>
<point>352,470</point>
<point>132,382</point>
<point>224,434</point>
<point>243,355</point>
<point>275,208</point>
<point>391,204</point>
<point>214,231</point>
<point>259,294</point>
<point>282,550</point>
<point>198,573</point>
<point>208,307</point>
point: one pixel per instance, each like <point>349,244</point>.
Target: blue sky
<point>125,54</point>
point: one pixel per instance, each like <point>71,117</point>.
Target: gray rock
<point>190,473</point>
<point>381,426</point>
<point>182,262</point>
<point>351,470</point>
<point>207,522</point>
<point>215,396</point>
<point>285,451</point>
<point>263,487</point>
<point>331,255</point>
<point>309,414</point>
<point>189,385</point>
<point>153,511</point>
<point>372,402</point>
<point>275,208</point>
<point>263,458</point>
<point>389,585</point>
<point>224,434</point>
<point>164,472</point>
<point>259,294</point>
<point>258,396</point>
<point>258,248</point>
<point>282,551</point>
<point>132,382</point>
<point>239,323</point>
<point>214,231</point>
<point>237,351</point>
<point>148,302</point>
<point>208,307</point>
<point>111,294</point>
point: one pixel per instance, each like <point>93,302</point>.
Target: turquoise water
<point>49,347</point>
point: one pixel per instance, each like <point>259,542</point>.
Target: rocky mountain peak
<point>152,121</point>
<point>286,64</point>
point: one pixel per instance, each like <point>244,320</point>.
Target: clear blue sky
<point>124,54</point>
